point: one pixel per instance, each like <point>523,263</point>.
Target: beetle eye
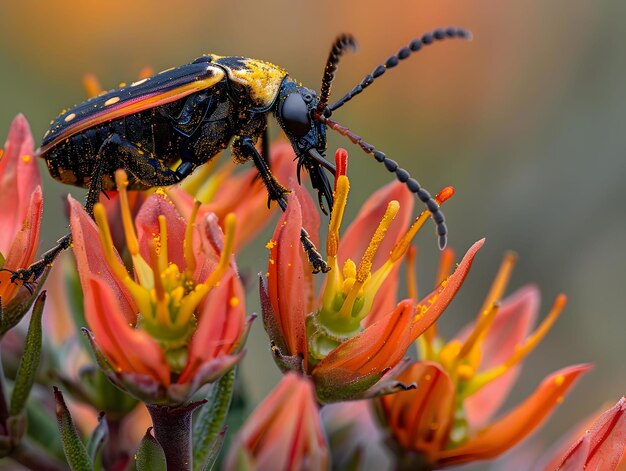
<point>295,115</point>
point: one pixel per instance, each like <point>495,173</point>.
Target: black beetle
<point>160,128</point>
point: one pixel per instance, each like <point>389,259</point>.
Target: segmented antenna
<point>414,46</point>
<point>341,45</point>
<point>401,174</point>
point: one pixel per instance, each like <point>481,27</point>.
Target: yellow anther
<point>121,181</point>
<point>339,206</point>
<point>365,265</point>
<point>465,372</point>
<point>190,258</point>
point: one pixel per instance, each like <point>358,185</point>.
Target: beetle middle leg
<point>245,147</point>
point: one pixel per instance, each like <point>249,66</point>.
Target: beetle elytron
<point>160,128</point>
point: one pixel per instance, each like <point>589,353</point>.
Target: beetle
<point>159,129</point>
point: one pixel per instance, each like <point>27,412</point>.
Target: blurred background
<point>526,121</point>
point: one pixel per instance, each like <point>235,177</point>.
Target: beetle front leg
<point>244,147</point>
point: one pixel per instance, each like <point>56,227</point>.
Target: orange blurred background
<point>526,121</point>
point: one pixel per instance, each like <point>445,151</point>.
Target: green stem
<point>172,429</point>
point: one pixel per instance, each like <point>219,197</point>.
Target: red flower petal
<point>90,260</point>
<point>377,349</point>
<point>286,281</point>
<point>19,177</point>
<point>436,302</point>
<point>221,322</point>
<point>603,445</point>
<point>284,432</point>
<point>147,224</point>
<point>420,419</point>
<point>128,350</point>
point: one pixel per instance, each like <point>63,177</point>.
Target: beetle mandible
<point>160,128</point>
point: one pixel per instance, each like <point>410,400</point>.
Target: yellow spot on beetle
<point>138,82</point>
<point>70,117</point>
<point>112,101</point>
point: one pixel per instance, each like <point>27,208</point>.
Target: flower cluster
<point>158,294</point>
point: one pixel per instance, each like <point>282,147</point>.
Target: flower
<point>179,322</point>
<point>283,433</point>
<point>223,192</point>
<point>333,338</point>
<point>20,220</point>
<point>603,445</point>
<point>447,420</point>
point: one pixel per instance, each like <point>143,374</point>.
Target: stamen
<point>342,185</point>
<point>190,258</point>
<point>521,351</point>
<point>204,182</point>
<point>446,262</point>
<point>501,281</point>
<point>480,330</point>
<point>154,259</point>
<point>121,181</point>
<point>365,265</point>
<point>140,295</point>
<point>161,248</point>
<point>341,164</point>
<point>411,278</point>
<point>229,242</point>
<point>92,85</point>
<point>403,244</point>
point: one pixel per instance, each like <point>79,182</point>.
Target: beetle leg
<point>245,147</point>
<point>143,165</point>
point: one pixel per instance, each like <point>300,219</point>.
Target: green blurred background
<point>526,121</point>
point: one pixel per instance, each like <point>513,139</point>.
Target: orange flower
<point>20,219</point>
<point>462,383</point>
<point>283,433</point>
<point>179,322</point>
<point>223,191</point>
<point>325,338</point>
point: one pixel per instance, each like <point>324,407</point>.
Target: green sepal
<point>75,452</point>
<point>209,422</point>
<point>150,455</point>
<point>29,362</point>
<point>98,438</point>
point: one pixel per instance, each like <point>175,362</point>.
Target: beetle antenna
<point>341,45</point>
<point>401,174</point>
<point>414,46</point>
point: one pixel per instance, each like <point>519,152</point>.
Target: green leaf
<point>75,451</point>
<point>98,438</point>
<point>29,362</point>
<point>209,422</point>
<point>150,455</point>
